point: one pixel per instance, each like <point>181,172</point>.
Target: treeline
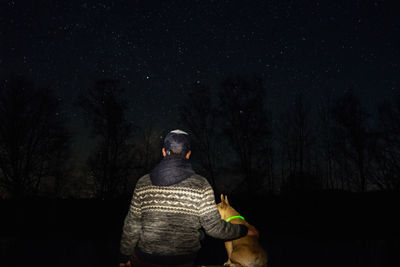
<point>333,145</point>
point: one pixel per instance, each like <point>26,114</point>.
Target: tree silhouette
<point>325,147</point>
<point>296,135</point>
<point>387,152</point>
<point>148,148</point>
<point>61,169</point>
<point>352,138</point>
<point>245,124</point>
<point>33,137</point>
<point>199,116</point>
<point>111,163</point>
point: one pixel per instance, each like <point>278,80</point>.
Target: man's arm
<point>132,227</point>
<point>211,221</point>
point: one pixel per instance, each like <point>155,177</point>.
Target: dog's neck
<point>236,220</point>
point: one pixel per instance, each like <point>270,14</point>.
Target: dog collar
<point>234,217</point>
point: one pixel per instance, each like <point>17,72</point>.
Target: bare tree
<point>325,147</point>
<point>352,138</point>
<point>298,141</point>
<point>245,124</point>
<point>296,135</point>
<point>387,153</point>
<point>199,116</point>
<point>33,136</point>
<point>111,163</point>
<point>61,170</point>
<point>148,148</point>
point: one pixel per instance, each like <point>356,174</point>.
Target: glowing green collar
<point>234,217</point>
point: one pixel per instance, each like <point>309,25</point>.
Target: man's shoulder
<point>197,181</point>
<point>143,181</point>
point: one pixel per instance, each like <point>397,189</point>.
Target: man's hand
<point>252,231</point>
<point>127,264</point>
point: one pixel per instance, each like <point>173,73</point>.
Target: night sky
<point>158,49</point>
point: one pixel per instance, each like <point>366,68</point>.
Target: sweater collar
<point>171,170</point>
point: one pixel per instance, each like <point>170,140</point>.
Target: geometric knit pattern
<point>165,220</point>
<point>175,199</point>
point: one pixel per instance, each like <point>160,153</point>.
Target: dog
<point>245,251</point>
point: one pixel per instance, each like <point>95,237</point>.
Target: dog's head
<point>225,209</point>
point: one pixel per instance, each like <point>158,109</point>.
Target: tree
<point>296,134</point>
<point>352,138</point>
<point>387,153</point>
<point>298,142</point>
<point>325,147</point>
<point>148,148</point>
<point>246,125</point>
<point>199,116</point>
<point>111,163</point>
<point>33,136</point>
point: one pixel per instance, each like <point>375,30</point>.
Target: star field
<point>158,49</point>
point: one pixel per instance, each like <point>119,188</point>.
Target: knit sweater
<point>164,222</point>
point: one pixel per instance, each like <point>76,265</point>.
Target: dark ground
<point>324,230</point>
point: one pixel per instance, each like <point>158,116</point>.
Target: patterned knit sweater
<point>164,221</point>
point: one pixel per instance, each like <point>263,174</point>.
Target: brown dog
<point>245,251</point>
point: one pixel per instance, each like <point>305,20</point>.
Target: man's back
<point>170,215</point>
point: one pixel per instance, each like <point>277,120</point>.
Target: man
<point>168,208</point>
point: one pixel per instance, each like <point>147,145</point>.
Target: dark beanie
<point>177,140</point>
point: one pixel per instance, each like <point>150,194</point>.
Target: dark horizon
<point>304,164</point>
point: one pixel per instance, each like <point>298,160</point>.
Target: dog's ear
<point>226,201</point>
<point>222,204</point>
